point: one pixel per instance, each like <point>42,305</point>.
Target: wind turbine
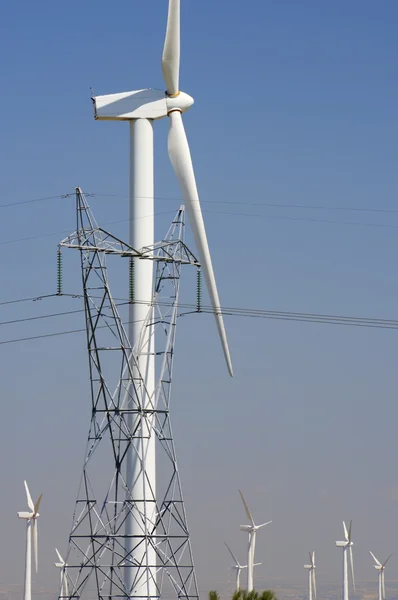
<point>311,577</point>
<point>347,547</point>
<point>61,564</point>
<point>31,531</point>
<point>252,530</point>
<point>141,108</point>
<point>238,567</point>
<point>381,568</point>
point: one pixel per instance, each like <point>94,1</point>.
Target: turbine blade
<point>314,583</point>
<point>180,157</point>
<point>352,569</point>
<point>386,561</point>
<point>345,531</point>
<point>264,524</point>
<point>35,543</point>
<point>257,564</point>
<point>375,559</point>
<point>61,560</point>
<point>231,553</point>
<point>350,532</point>
<point>29,498</point>
<point>171,49</point>
<point>66,586</point>
<point>313,559</point>
<point>37,505</point>
<point>247,509</point>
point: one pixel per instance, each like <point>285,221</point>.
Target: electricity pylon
<point>123,416</point>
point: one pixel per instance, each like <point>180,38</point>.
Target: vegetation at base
<point>244,595</point>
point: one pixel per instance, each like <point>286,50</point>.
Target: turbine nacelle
<point>139,104</point>
<point>28,515</point>
<point>344,544</point>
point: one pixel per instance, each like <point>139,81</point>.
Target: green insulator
<point>131,281</point>
<point>59,271</point>
<point>199,290</point>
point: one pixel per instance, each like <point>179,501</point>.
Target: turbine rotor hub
<point>180,101</point>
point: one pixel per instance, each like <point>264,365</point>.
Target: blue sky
<point>295,104</point>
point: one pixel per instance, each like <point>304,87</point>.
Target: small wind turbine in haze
<point>252,530</point>
<point>381,568</point>
<point>347,547</point>
<point>311,577</point>
<point>63,584</point>
<point>238,567</point>
<point>31,531</point>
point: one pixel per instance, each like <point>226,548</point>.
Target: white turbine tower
<point>31,531</point>
<point>311,577</point>
<point>238,567</point>
<point>141,108</point>
<point>381,568</point>
<point>63,581</point>
<point>252,530</point>
<point>347,547</point>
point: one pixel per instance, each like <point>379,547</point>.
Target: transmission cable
<point>367,322</point>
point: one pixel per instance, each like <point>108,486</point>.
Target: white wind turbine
<point>311,577</point>
<point>347,547</point>
<point>31,531</point>
<point>381,568</point>
<point>238,567</point>
<point>63,584</point>
<point>141,108</point>
<point>252,530</point>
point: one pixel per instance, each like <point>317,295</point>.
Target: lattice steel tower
<point>127,419</point>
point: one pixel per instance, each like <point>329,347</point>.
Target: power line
<point>34,200</point>
<point>351,321</point>
<point>267,204</point>
<point>307,219</point>
<point>224,213</point>
<point>215,201</point>
<point>67,231</point>
<point>29,299</point>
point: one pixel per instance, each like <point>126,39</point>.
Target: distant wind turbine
<point>63,584</point>
<point>311,577</point>
<point>31,531</point>
<point>238,567</point>
<point>252,530</point>
<point>347,547</point>
<point>381,568</point>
